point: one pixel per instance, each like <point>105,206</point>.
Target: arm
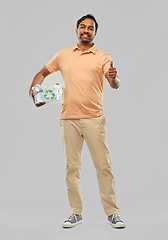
<point>38,79</point>
<point>112,77</point>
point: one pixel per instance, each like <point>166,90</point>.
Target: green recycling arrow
<point>49,95</point>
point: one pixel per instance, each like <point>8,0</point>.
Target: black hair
<point>87,16</point>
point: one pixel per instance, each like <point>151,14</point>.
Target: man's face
<point>86,31</point>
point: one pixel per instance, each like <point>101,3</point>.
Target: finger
<point>112,71</point>
<point>32,94</point>
<point>40,104</point>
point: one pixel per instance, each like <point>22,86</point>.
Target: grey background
<point>33,198</point>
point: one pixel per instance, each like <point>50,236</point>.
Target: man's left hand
<point>112,72</point>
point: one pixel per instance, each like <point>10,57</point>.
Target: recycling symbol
<point>49,95</point>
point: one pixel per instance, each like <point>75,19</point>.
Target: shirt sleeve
<point>53,64</point>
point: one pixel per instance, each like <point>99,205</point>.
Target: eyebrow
<point>85,25</point>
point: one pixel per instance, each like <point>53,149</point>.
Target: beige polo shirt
<point>83,78</point>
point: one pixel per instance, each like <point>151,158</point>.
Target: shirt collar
<point>93,49</point>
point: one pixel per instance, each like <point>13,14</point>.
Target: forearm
<point>39,78</point>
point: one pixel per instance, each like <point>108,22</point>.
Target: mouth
<point>85,35</point>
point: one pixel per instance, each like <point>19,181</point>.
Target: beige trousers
<point>93,130</point>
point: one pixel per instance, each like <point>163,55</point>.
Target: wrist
<point>115,82</point>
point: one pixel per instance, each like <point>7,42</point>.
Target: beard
<point>85,40</point>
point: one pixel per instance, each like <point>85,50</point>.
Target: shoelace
<point>116,217</point>
<point>71,217</point>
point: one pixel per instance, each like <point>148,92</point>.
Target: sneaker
<point>72,221</point>
<point>115,221</point>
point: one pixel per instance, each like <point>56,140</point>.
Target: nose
<point>86,30</point>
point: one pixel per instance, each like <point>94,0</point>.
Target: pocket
<point>102,120</point>
<point>61,122</point>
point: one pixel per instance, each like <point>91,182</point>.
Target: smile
<point>85,35</point>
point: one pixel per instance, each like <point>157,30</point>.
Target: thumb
<point>111,64</point>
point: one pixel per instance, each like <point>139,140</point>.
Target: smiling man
<point>83,67</point>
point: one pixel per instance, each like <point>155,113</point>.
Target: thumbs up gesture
<point>112,72</point>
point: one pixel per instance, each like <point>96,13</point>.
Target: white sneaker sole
<point>71,225</point>
<point>117,225</point>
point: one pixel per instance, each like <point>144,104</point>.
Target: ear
<point>76,30</point>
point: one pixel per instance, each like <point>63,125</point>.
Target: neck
<point>84,46</point>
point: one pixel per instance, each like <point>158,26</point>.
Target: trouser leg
<point>72,141</point>
<point>94,132</point>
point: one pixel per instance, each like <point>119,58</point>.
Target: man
<point>82,68</point>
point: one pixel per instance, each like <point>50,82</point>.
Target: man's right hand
<point>40,104</point>
<point>32,94</point>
